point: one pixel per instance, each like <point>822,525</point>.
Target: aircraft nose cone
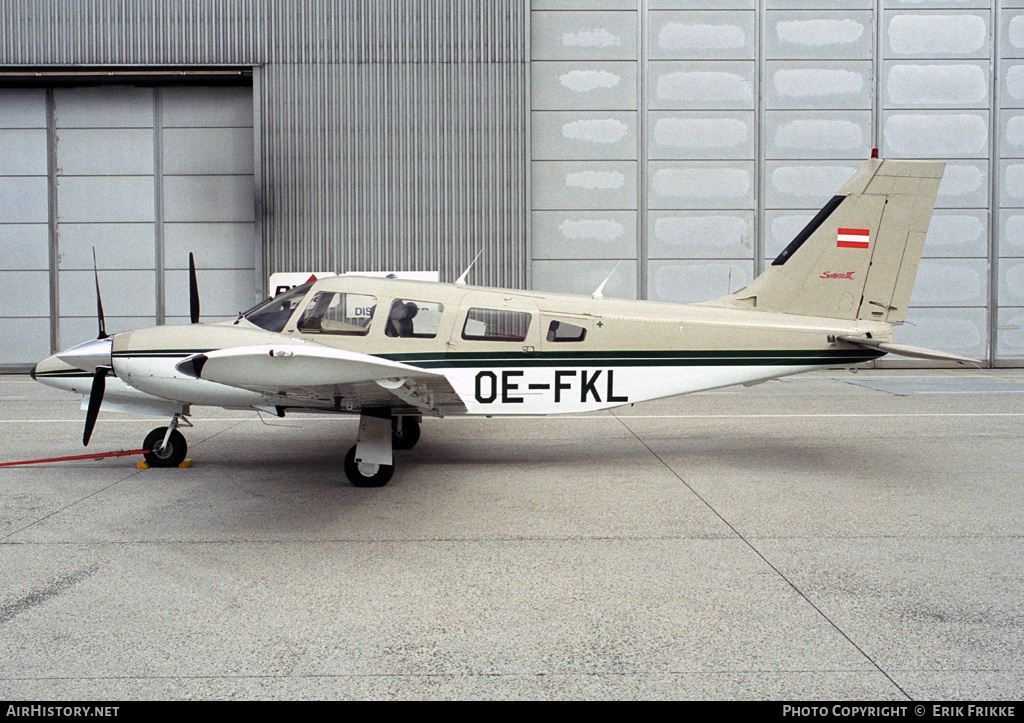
<point>88,355</point>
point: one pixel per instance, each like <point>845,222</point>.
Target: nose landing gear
<point>166,446</point>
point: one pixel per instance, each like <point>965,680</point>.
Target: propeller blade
<point>99,300</point>
<point>99,384</point>
<point>193,289</point>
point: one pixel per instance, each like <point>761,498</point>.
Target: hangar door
<point>144,175</point>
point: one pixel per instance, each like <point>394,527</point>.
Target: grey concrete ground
<point>831,536</point>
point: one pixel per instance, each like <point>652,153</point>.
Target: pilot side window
<point>564,331</point>
<point>414,319</point>
<point>332,312</point>
<point>273,314</point>
<point>496,325</point>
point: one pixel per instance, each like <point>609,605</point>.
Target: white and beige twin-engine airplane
<point>394,351</point>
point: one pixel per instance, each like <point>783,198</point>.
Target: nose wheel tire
<point>170,456</point>
<point>361,474</point>
<point>405,436</point>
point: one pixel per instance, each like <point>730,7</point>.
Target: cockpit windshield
<point>274,313</point>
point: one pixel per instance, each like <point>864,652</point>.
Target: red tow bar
<point>74,458</point>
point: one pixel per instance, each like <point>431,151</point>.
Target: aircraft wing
<point>309,375</point>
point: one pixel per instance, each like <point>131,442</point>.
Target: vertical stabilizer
<point>858,257</point>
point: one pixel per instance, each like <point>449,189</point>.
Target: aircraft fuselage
<point>616,352</point>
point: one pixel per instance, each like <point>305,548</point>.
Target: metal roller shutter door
<point>142,174</point>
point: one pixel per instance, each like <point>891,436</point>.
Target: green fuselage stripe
<point>157,353</point>
<point>798,357</point>
<point>461,359</point>
<point>63,374</point>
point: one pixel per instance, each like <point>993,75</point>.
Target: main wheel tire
<point>361,474</point>
<point>170,456</point>
<point>408,436</point>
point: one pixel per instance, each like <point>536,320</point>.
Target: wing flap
<point>439,400</point>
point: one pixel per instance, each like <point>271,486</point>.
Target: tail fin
<point>858,257</point>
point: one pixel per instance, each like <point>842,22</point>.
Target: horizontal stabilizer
<point>915,352</point>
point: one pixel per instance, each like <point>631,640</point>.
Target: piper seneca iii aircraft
<point>394,351</point>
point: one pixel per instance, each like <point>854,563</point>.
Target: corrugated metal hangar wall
<point>378,134</point>
<point>685,140</point>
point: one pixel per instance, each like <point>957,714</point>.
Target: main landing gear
<point>370,463</point>
<point>166,446</point>
<point>405,432</point>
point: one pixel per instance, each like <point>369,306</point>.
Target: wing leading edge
<point>307,375</point>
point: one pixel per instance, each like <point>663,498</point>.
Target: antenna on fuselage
<point>599,291</point>
<point>462,279</point>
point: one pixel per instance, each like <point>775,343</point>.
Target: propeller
<point>193,289</point>
<point>95,355</point>
<point>99,301</point>
<point>99,375</point>
<point>99,385</point>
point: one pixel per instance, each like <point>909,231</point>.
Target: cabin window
<point>332,312</point>
<point>564,331</point>
<point>496,325</point>
<point>274,313</point>
<point>414,319</point>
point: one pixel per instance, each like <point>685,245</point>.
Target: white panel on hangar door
<point>24,233</point>
<point>146,175</point>
<point>209,200</point>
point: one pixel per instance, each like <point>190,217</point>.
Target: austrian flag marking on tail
<point>853,238</point>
